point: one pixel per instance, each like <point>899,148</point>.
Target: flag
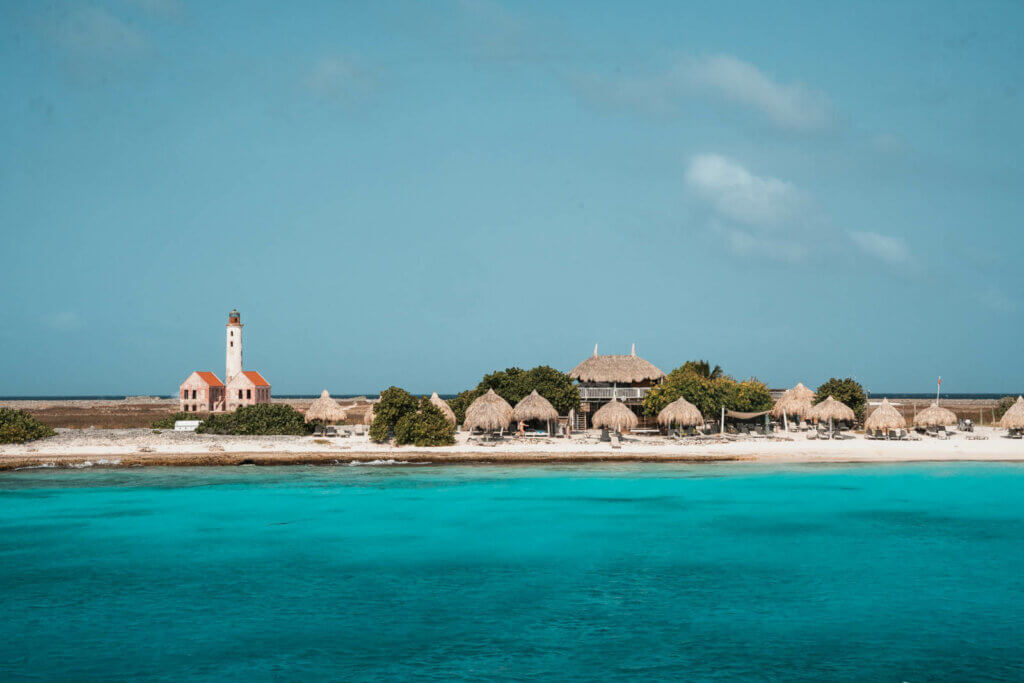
<point>940,381</point>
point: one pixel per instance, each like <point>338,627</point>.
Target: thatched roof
<point>792,405</point>
<point>1013,418</point>
<point>488,412</point>
<point>935,416</point>
<point>796,402</point>
<point>615,415</point>
<point>443,406</point>
<point>534,407</point>
<point>680,412</point>
<point>620,369</point>
<point>885,417</point>
<point>831,409</point>
<point>325,409</point>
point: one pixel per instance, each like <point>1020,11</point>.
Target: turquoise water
<point>900,572</point>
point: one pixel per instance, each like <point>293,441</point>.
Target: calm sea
<point>900,573</point>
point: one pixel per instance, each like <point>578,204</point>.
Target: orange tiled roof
<point>256,378</point>
<point>211,379</point>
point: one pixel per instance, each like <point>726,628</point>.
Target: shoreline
<point>81,448</point>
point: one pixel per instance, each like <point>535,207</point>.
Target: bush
<point>264,419</point>
<point>18,426</point>
<point>168,422</point>
<point>848,391</point>
<point>425,427</point>
<point>751,396</point>
<point>1003,405</point>
<point>394,404</point>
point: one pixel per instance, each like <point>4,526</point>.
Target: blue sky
<point>419,193</point>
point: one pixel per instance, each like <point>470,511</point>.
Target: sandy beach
<point>141,447</point>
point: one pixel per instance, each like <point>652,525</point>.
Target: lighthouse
<point>233,346</point>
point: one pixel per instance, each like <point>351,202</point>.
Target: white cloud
<point>736,193</point>
<point>724,77</point>
<point>790,105</point>
<point>891,249</point>
<point>94,31</point>
<point>336,78</point>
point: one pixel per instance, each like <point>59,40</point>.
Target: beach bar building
<point>202,392</point>
<point>602,379</point>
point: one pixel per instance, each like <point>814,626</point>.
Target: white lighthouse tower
<point>233,346</point>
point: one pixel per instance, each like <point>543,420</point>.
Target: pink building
<point>201,392</point>
<point>247,388</point>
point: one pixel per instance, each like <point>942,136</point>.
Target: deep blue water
<point>899,572</point>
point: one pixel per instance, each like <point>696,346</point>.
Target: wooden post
<point>721,424</point>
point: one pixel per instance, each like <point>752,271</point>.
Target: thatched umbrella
<point>797,402</point>
<point>1013,418</point>
<point>534,407</point>
<point>935,416</point>
<point>615,415</point>
<point>443,406</point>
<point>325,409</point>
<point>488,412</point>
<point>832,410</point>
<point>681,413</point>
<point>885,417</point>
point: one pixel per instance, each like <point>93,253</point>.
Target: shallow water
<point>894,572</point>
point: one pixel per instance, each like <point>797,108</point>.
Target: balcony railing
<point>608,393</point>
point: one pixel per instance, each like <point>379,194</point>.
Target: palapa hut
<point>601,379</point>
<point>535,407</point>
<point>796,402</point>
<point>489,412</point>
<point>885,418</point>
<point>680,413</point>
<point>935,416</point>
<point>616,416</point>
<point>324,410</point>
<point>443,406</point>
<point>833,411</point>
<point>1013,418</point>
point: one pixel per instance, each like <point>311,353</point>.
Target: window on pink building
<point>193,393</point>
<point>248,393</point>
<point>239,393</point>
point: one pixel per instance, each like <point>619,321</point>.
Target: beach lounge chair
<point>330,431</point>
<point>318,431</point>
<point>614,438</point>
<point>812,434</point>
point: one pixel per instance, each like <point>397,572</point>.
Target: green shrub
<point>1003,405</point>
<point>394,404</point>
<point>168,422</point>
<point>425,427</point>
<point>848,391</point>
<point>751,396</point>
<point>263,419</point>
<point>17,426</point>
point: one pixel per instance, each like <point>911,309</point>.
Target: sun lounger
<point>616,443</point>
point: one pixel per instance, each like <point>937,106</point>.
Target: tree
<point>1003,405</point>
<point>848,391</point>
<point>515,384</point>
<point>18,426</point>
<point>394,404</point>
<point>702,368</point>
<point>263,419</point>
<point>427,426</point>
<point>751,396</point>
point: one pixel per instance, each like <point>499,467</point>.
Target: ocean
<point>902,572</point>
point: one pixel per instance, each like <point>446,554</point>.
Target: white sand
<point>109,446</point>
